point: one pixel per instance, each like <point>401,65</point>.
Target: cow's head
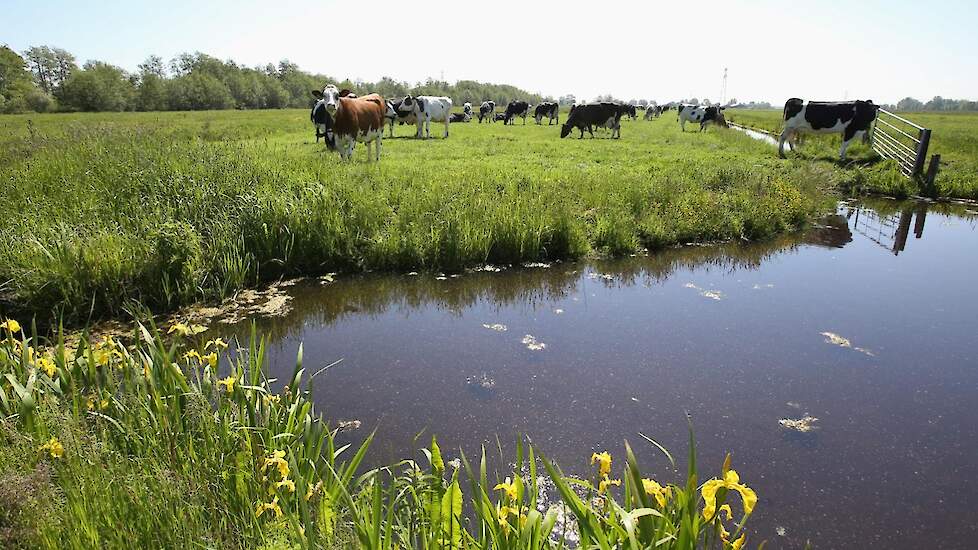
<point>329,98</point>
<point>565,129</point>
<point>410,104</point>
<point>720,120</point>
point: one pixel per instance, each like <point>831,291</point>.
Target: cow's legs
<point>380,143</point>
<point>369,146</point>
<point>446,126</point>
<point>682,124</point>
<point>842,150</point>
<point>785,135</point>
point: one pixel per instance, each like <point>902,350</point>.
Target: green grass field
<point>103,210</point>
<point>954,137</point>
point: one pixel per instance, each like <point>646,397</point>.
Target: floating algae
<point>804,424</point>
<point>498,327</point>
<point>836,340</point>
<point>711,294</point>
<point>532,343</point>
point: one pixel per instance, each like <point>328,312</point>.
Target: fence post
<point>918,165</point>
<point>931,177</point>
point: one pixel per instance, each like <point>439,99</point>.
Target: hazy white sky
<point>881,50</point>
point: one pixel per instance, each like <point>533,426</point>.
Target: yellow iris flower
<point>605,483</point>
<point>287,484</point>
<point>228,383</point>
<point>272,506</point>
<point>54,448</point>
<point>739,543</point>
<point>731,482</point>
<point>277,459</point>
<point>509,488</point>
<point>48,366</point>
<point>603,460</point>
<point>184,329</point>
<point>192,354</point>
<point>218,343</point>
<point>211,359</point>
<point>11,326</point>
<point>653,489</point>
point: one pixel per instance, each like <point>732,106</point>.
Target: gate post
<point>918,165</point>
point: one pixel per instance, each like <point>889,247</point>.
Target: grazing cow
<point>549,110</point>
<point>652,111</point>
<point>629,111</point>
<point>587,115</point>
<point>703,115</point>
<point>487,111</point>
<point>516,109</point>
<point>352,119</point>
<point>426,109</point>
<point>850,118</point>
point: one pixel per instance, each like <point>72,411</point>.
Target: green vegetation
<point>147,445</point>
<point>166,209</point>
<point>48,79</point>
<point>953,138</point>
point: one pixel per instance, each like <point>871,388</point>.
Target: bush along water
<point>174,441</point>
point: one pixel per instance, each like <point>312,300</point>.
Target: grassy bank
<point>104,209</point>
<point>173,442</point>
<point>955,138</point>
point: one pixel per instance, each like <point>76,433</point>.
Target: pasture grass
<point>954,136</point>
<point>105,210</point>
<point>173,442</point>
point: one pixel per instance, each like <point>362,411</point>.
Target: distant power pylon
<point>723,89</point>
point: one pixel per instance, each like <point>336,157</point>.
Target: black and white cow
<point>702,115</point>
<point>427,109</point>
<point>548,109</point>
<point>629,111</point>
<point>652,111</point>
<point>487,111</point>
<point>516,109</point>
<point>322,122</point>
<point>588,115</point>
<point>393,115</point>
<point>467,111</point>
<point>852,119</point>
<point>460,117</point>
<point>499,117</point>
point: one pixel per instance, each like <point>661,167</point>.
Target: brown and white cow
<point>353,119</point>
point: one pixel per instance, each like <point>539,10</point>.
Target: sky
<point>773,50</point>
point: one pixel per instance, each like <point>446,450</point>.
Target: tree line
<point>44,79</point>
<point>938,103</point>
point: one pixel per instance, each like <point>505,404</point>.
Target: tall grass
<point>175,442</point>
<point>164,209</point>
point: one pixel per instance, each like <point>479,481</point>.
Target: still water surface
<point>732,334</point>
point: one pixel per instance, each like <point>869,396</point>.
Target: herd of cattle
<point>342,118</point>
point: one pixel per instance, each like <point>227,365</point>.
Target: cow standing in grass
<point>702,115</point>
<point>852,119</point>
<point>588,115</point>
<point>352,119</point>
<point>487,111</point>
<point>548,109</point>
<point>427,109</point>
<point>516,109</point>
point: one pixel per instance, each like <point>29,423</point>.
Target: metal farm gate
<point>897,138</point>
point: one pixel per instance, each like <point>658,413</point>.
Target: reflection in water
<point>846,390</point>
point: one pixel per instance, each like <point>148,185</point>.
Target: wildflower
<point>210,359</point>
<point>228,383</point>
<point>653,489</point>
<point>504,512</point>
<point>270,398</point>
<point>727,511</point>
<point>605,483</point>
<point>313,489</point>
<point>218,343</point>
<point>272,506</point>
<point>192,354</point>
<point>731,482</point>
<point>54,448</point>
<point>286,483</point>
<point>184,329</point>
<point>277,459</point>
<point>509,488</point>
<point>739,543</point>
<point>603,460</point>
<point>11,326</point>
<point>48,366</point>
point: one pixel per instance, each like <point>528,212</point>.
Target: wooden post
<point>931,177</point>
<point>918,165</point>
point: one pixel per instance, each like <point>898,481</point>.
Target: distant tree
<point>99,87</point>
<point>194,92</point>
<point>153,66</point>
<point>568,99</point>
<point>16,87</point>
